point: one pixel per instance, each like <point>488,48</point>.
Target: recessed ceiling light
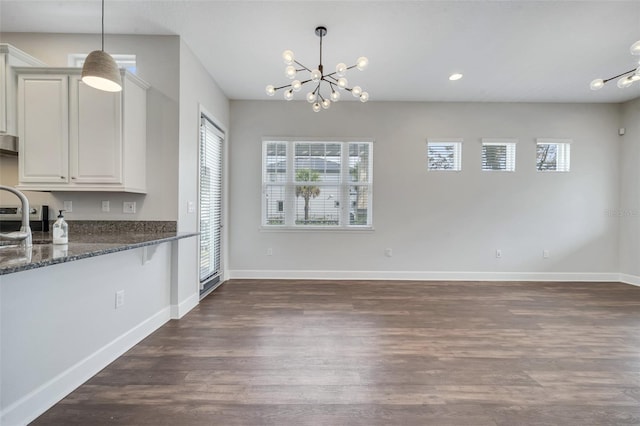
<point>455,76</point>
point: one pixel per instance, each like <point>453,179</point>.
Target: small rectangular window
<point>553,155</point>
<point>124,61</point>
<point>499,155</point>
<point>444,154</point>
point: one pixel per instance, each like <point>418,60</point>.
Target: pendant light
<point>100,69</point>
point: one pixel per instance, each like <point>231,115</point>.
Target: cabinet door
<point>43,106</point>
<point>95,134</point>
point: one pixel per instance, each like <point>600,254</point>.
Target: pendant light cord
<point>103,25</point>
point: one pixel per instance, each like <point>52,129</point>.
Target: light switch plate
<point>68,206</point>
<point>105,206</point>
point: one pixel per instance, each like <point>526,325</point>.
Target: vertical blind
<point>211,139</point>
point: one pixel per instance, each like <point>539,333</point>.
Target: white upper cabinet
<point>11,57</point>
<point>77,138</point>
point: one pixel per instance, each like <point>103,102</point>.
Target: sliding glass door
<point>210,203</point>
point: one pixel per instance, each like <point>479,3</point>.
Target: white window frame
<point>125,61</point>
<point>510,161</point>
<point>457,153</point>
<point>563,152</point>
<point>344,183</point>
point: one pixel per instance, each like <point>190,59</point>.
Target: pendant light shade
<point>101,72</point>
<point>100,69</point>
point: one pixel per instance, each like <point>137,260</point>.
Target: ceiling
<point>508,51</point>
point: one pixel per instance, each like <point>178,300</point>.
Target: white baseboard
<point>44,397</point>
<point>425,275</point>
<point>630,279</point>
<point>181,309</point>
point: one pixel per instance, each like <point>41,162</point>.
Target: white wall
<point>440,221</point>
<point>629,208</point>
<point>197,91</point>
<point>157,63</point>
<point>59,324</point>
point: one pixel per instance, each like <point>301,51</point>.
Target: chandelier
<point>326,87</point>
<point>626,78</point>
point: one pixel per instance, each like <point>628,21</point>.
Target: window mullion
<point>290,190</point>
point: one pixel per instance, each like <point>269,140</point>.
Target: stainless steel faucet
<point>24,235</point>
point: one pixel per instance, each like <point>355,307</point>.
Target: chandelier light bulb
<point>362,63</point>
<point>326,103</point>
<point>342,82</point>
<point>341,69</point>
<point>288,95</point>
<point>597,84</point>
<point>316,75</point>
<point>290,72</point>
<point>288,57</point>
<point>364,97</point>
<point>296,85</point>
<point>334,96</point>
<point>356,91</point>
<point>270,90</point>
<point>311,97</point>
<point>635,48</point>
<point>625,82</point>
<point>316,107</point>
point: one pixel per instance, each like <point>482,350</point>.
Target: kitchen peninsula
<point>68,311</point>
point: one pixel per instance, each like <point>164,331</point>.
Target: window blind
<point>210,205</point>
<point>317,184</point>
<point>444,155</point>
<point>498,156</point>
<point>553,155</point>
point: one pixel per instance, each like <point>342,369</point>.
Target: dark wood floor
<point>380,353</point>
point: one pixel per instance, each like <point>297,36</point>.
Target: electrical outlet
<point>545,254</point>
<point>191,207</point>
<point>68,206</point>
<point>498,254</point>
<point>269,251</point>
<point>129,207</point>
<point>105,206</point>
<point>388,252</point>
<point>119,299</point>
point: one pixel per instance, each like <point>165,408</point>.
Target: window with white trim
<point>317,184</point>
<point>499,155</point>
<point>124,61</point>
<point>444,154</point>
<point>553,155</point>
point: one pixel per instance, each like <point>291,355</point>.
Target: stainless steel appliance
<point>11,218</point>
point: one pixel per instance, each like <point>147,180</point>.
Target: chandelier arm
<point>619,75</point>
<point>282,87</point>
<point>303,67</point>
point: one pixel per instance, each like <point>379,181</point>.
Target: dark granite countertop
<point>44,253</point>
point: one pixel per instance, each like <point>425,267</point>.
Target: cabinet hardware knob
<point>73,177</point>
<point>61,177</point>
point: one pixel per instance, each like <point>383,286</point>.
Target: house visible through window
<point>444,154</point>
<point>553,155</point>
<point>306,183</point>
<point>499,155</point>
